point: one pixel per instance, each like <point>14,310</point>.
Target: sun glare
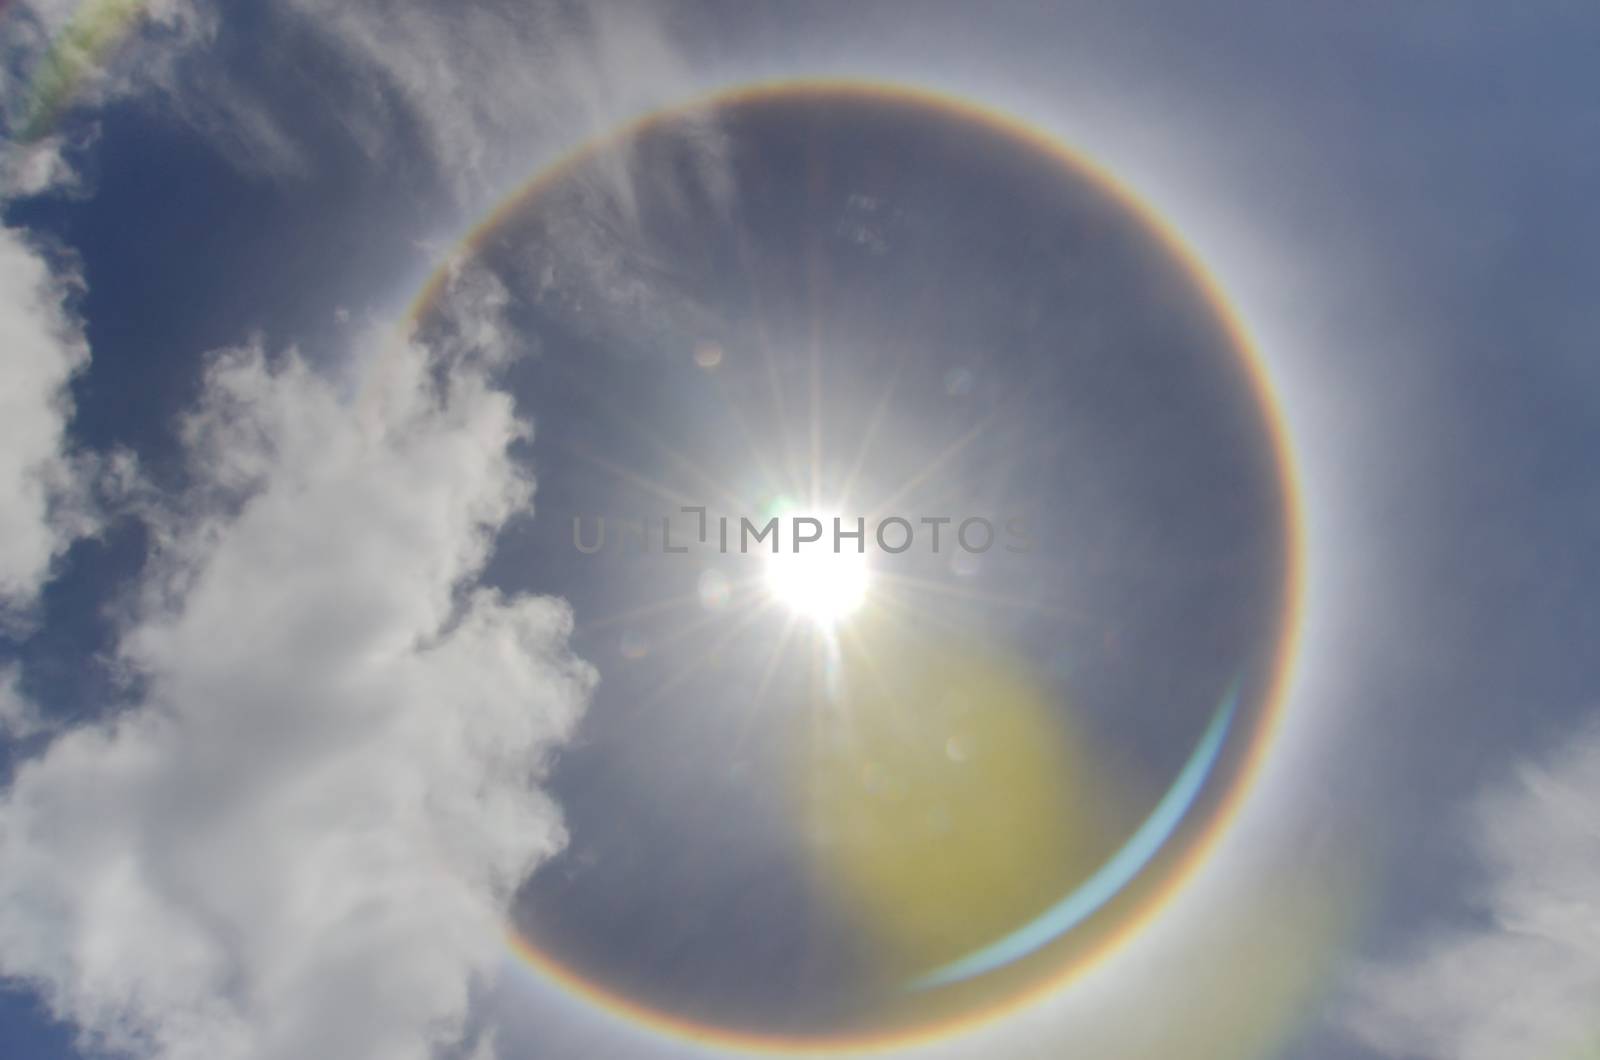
<point>817,582</point>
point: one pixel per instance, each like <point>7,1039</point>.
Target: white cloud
<point>301,842</point>
<point>1524,981</point>
<point>41,347</point>
<point>494,87</point>
<point>18,716</point>
<point>68,55</point>
<point>36,168</point>
<point>68,52</point>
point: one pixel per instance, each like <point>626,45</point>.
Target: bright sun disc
<point>817,582</point>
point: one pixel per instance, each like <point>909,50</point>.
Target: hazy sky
<point>302,691</point>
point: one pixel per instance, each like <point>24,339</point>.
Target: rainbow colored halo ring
<point>1140,906</point>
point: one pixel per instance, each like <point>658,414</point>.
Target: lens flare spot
<point>714,590</point>
<point>946,801</point>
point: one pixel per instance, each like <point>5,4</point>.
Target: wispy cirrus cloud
<point>492,89</point>
<point>487,90</point>
<point>67,59</point>
<point>1522,978</point>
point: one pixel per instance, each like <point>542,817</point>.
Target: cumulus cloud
<point>43,346</point>
<point>302,840</point>
<point>1523,979</point>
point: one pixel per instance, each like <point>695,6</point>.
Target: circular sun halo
<point>818,583</point>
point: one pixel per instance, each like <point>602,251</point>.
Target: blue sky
<point>255,535</point>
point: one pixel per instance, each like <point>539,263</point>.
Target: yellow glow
<point>947,801</point>
<point>816,581</point>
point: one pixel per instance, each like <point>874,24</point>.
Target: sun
<point>818,582</point>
